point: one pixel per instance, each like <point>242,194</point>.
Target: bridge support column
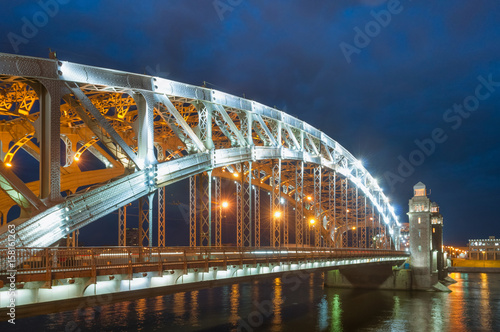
<point>317,206</point>
<point>299,204</point>
<point>145,222</point>
<point>47,128</point>
<point>192,211</point>
<point>161,217</point>
<point>332,208</point>
<point>257,213</point>
<point>276,212</point>
<point>218,212</point>
<point>345,206</point>
<point>122,226</point>
<point>376,276</point>
<point>244,206</point>
<point>206,209</point>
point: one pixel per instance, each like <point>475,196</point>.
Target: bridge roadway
<point>52,279</point>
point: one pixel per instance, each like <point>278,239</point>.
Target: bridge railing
<point>44,260</point>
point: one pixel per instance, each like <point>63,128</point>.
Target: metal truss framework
<point>161,217</point>
<point>149,132</point>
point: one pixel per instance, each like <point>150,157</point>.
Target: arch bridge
<point>141,133</point>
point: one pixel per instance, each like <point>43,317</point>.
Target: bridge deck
<point>45,264</point>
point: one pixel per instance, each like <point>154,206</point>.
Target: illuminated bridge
<point>142,133</point>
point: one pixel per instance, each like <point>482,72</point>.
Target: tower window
<point>419,220</point>
<point>420,248</point>
<point>433,230</point>
<point>420,192</point>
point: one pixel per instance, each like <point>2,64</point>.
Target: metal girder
<point>257,213</point>
<point>264,131</point>
<point>192,211</point>
<point>18,191</point>
<point>276,211</point>
<point>122,226</point>
<point>317,205</point>
<point>246,200</point>
<point>226,124</point>
<point>48,130</point>
<point>69,150</point>
<point>104,124</point>
<point>205,213</point>
<point>179,120</point>
<point>332,205</point>
<point>218,212</point>
<point>345,207</point>
<point>161,217</point>
<point>285,223</point>
<point>145,221</point>
<point>299,203</point>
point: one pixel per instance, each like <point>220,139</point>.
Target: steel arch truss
<point>124,118</point>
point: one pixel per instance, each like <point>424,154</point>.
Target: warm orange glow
<point>354,228</point>
<point>312,221</point>
<point>8,164</point>
<point>347,211</point>
<point>76,158</point>
<point>225,204</point>
<point>309,198</point>
<point>235,174</point>
<point>371,218</point>
<point>277,214</point>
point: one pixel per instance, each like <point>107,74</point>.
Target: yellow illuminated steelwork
<point>14,148</point>
<point>84,147</point>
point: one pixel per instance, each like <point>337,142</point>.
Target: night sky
<point>409,87</point>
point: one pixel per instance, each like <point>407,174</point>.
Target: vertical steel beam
<point>218,212</point>
<point>299,204</point>
<point>285,223</point>
<point>122,226</point>
<point>246,205</point>
<point>331,206</point>
<point>192,211</point>
<point>145,129</point>
<point>206,209</point>
<point>276,211</point>
<point>145,222</point>
<point>257,214</point>
<point>355,239</point>
<point>161,217</point>
<point>363,230</point>
<point>48,134</point>
<point>317,205</point>
<point>345,216</point>
<point>239,217</point>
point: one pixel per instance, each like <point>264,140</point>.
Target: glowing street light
<point>235,174</point>
<point>309,198</point>
<point>225,204</point>
<point>8,164</point>
<point>277,214</point>
<point>312,221</point>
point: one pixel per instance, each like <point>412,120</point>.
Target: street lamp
<point>277,214</point>
<point>225,204</point>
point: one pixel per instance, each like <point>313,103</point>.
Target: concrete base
<point>383,276</point>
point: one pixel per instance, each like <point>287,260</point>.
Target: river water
<point>296,303</point>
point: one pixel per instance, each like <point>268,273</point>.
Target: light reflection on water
<point>302,305</point>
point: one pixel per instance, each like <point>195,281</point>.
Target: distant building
<point>484,249</point>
